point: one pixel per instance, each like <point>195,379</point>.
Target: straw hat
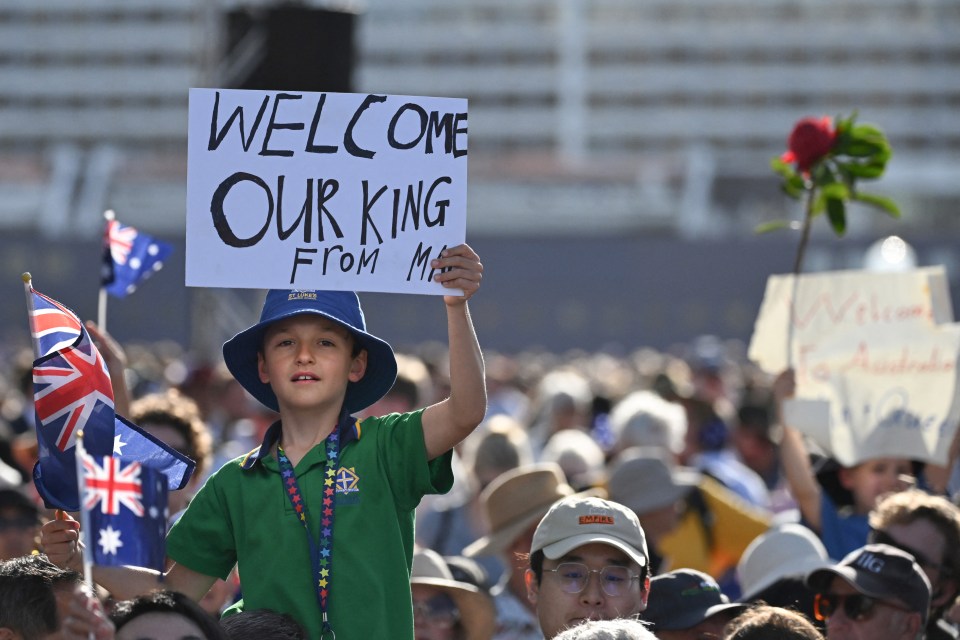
<point>515,501</point>
<point>477,613</point>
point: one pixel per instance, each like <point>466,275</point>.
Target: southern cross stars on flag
<point>131,523</point>
<point>129,257</point>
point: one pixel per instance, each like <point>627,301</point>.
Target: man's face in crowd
<point>885,621</point>
<point>557,609</point>
<point>926,544</point>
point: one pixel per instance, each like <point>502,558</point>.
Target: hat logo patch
<point>596,516</point>
<point>870,562</point>
<point>300,294</point>
<point>595,519</point>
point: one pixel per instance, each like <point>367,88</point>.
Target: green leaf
<point>868,133</point>
<point>867,170</point>
<point>835,191</point>
<point>782,168</point>
<point>843,125</point>
<point>858,148</point>
<point>837,214</point>
<point>792,189</point>
<point>879,202</point>
<point>774,225</point>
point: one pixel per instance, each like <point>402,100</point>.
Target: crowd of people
<point>344,490</point>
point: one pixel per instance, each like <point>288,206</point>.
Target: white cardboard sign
<point>875,356</point>
<point>299,190</point>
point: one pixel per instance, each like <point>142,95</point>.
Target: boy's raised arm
<point>447,423</point>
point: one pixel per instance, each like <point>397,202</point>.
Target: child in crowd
<point>842,527</point>
<point>319,518</point>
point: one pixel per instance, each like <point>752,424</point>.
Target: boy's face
<point>308,361</point>
<point>869,480</point>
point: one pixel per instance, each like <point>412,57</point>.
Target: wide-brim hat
<point>515,501</point>
<point>343,307</point>
<point>789,549</point>
<point>477,612</point>
<point>684,598</point>
<point>641,479</point>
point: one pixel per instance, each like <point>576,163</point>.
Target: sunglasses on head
<point>856,607</point>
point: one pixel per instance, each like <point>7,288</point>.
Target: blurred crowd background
<point>618,150</point>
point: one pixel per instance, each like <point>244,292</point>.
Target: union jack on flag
<point>72,392</point>
<point>54,327</point>
<point>131,523</point>
<point>129,257</point>
<point>111,485</point>
<point>70,379</point>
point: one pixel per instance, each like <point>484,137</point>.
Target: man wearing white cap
<point>588,561</point>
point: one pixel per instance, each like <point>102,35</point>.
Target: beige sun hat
<point>641,479</point>
<point>477,613</point>
<point>785,550</point>
<point>515,501</point>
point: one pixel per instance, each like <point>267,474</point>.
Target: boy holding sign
<point>319,519</point>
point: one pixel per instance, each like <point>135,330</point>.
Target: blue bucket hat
<point>343,307</point>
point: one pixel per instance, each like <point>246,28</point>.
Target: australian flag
<point>72,392</point>
<point>126,503</point>
<point>129,257</point>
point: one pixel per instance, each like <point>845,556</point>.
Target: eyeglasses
<point>440,611</point>
<point>882,537</point>
<point>614,580</point>
<point>856,607</point>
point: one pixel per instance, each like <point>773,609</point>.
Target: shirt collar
<point>348,427</point>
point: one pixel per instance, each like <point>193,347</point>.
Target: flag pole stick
<point>109,216</point>
<point>28,290</point>
<point>102,310</point>
<point>85,532</point>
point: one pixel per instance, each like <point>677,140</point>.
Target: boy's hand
<point>60,540</point>
<point>458,268</point>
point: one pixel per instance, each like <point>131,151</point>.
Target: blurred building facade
<point>601,118</point>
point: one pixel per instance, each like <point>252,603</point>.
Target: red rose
<point>810,141</point>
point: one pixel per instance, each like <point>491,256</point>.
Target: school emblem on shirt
<point>347,481</point>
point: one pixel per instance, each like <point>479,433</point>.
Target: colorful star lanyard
<point>321,554</point>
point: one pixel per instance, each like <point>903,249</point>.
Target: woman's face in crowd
<point>435,615</point>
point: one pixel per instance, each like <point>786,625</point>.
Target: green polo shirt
<point>242,516</point>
